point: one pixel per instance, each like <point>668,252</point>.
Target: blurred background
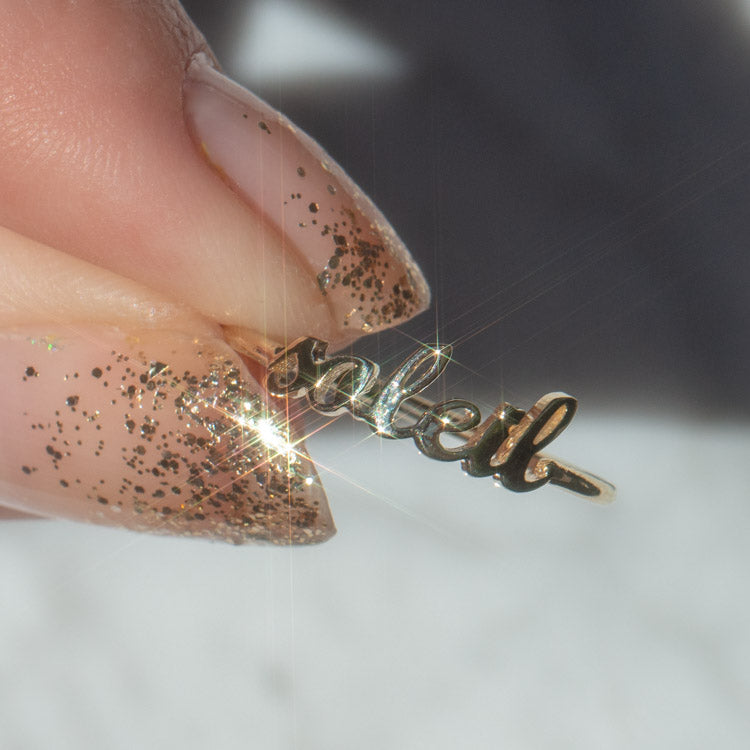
<point>573,179</point>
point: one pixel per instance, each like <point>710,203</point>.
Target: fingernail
<point>362,268</point>
<point>155,432</point>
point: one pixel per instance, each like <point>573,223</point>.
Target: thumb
<point>123,145</point>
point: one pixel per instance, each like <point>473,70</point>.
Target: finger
<point>151,422</point>
<point>121,145</point>
<point>8,514</point>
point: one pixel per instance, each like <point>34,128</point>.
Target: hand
<point>160,229</point>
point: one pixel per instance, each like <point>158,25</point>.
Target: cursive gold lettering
<point>505,446</point>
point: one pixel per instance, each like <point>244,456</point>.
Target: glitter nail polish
<point>362,269</point>
<point>155,432</point>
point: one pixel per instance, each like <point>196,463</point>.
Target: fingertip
<point>151,431</point>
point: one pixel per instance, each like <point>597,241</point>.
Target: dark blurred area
<point>572,177</point>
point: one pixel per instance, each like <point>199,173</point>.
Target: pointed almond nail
<point>362,268</point>
<point>155,432</point>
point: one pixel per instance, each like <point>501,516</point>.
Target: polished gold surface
<point>505,446</point>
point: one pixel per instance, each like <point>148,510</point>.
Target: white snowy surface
<point>446,613</point>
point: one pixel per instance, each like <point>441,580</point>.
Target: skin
<point>104,191</point>
<point>96,160</point>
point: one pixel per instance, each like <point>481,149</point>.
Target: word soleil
<point>505,446</point>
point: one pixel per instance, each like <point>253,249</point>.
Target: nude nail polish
<point>362,269</point>
<point>155,432</point>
